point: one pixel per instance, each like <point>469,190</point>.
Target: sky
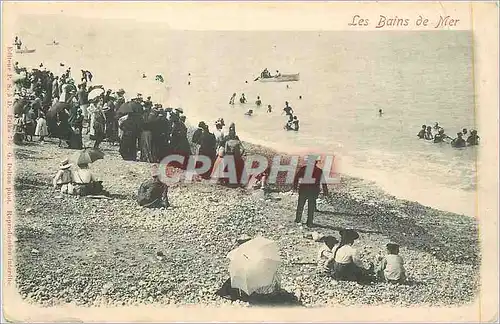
<point>230,15</point>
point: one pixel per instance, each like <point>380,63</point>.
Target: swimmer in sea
<point>295,123</point>
<point>436,127</point>
<point>288,110</point>
<point>473,138</point>
<point>249,112</point>
<point>231,101</point>
<point>300,97</point>
<point>289,124</point>
<point>459,141</point>
<point>143,75</point>
<point>380,113</point>
<point>421,134</point>
<point>258,102</point>
<point>269,108</point>
<point>243,99</point>
<point>441,136</point>
<point>428,134</point>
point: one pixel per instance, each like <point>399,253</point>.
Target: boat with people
<point>281,78</point>
<point>265,76</point>
<point>25,51</point>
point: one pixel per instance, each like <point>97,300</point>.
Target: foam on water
<point>345,78</point>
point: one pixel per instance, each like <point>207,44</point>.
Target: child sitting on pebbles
<point>325,253</point>
<point>391,268</point>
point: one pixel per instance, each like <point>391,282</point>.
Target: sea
<point>415,77</point>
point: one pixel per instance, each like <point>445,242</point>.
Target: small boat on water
<point>24,51</point>
<point>281,78</point>
<point>54,43</point>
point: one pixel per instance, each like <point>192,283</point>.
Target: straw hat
<point>349,234</point>
<point>65,164</point>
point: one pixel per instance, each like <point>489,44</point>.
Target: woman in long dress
<point>41,129</point>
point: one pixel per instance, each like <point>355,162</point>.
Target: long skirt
<point>223,165</point>
<point>146,146</point>
<point>350,272</point>
<point>30,128</point>
<point>212,157</point>
<point>128,147</point>
<point>76,142</point>
<point>52,126</point>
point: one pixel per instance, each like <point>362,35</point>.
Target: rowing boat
<point>282,78</point>
<point>22,51</point>
<point>53,44</point>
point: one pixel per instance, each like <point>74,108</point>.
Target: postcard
<point>250,161</point>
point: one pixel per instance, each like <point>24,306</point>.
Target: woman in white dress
<point>41,129</point>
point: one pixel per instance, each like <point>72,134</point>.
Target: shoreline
<point>115,242</point>
<point>420,194</point>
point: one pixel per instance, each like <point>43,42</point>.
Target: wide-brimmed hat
<point>392,246</point>
<point>202,124</point>
<point>328,238</point>
<point>180,110</point>
<point>65,164</point>
<point>349,234</point>
<point>120,91</point>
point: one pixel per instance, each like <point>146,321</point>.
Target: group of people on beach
<point>338,260</point>
<point>440,136</point>
<point>65,111</point>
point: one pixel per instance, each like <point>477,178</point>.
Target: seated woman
<point>346,263</point>
<point>325,253</point>
<point>85,183</point>
<point>270,294</point>
<point>153,193</point>
<point>63,178</point>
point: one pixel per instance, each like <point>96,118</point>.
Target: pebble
<point>191,274</point>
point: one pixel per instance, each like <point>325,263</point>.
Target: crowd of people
<point>52,106</point>
<point>440,136</point>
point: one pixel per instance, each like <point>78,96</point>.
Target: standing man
<point>309,188</point>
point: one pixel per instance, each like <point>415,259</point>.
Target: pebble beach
<point>94,252</point>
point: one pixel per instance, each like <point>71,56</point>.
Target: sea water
<point>345,78</point>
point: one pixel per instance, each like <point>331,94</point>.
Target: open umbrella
<point>88,155</point>
<point>57,107</point>
<point>94,93</point>
<point>19,106</point>
<point>129,107</point>
<point>254,264</point>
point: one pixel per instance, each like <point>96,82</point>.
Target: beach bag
<point>233,147</point>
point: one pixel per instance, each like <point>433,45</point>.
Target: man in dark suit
<point>309,190</point>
